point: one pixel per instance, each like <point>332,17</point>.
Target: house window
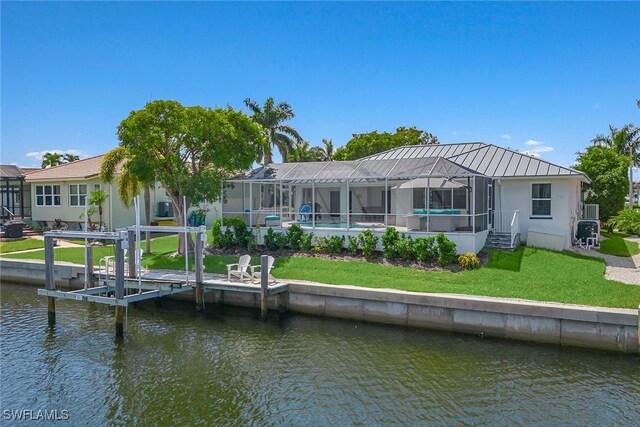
<point>440,199</point>
<point>541,200</point>
<point>418,198</point>
<point>77,194</point>
<point>47,195</point>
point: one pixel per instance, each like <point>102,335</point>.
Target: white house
<point>60,192</point>
<point>472,192</point>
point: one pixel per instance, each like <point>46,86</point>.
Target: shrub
<point>236,233</point>
<point>404,247</point>
<point>294,236</point>
<point>368,242</point>
<point>446,249</point>
<point>425,249</point>
<point>321,245</point>
<point>389,239</point>
<point>335,244</point>
<point>627,220</point>
<point>306,242</point>
<point>469,261</point>
<point>274,240</point>
<point>352,244</point>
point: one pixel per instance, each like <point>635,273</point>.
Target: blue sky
<point>543,77</point>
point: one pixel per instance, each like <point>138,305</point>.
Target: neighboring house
<point>60,192</point>
<point>15,195</point>
<point>471,192</point>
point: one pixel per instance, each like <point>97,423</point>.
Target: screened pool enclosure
<point>421,195</point>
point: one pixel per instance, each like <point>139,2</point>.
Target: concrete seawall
<point>583,326</point>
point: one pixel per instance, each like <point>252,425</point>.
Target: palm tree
<point>128,182</point>
<point>625,141</point>
<point>328,149</point>
<point>68,158</point>
<point>97,199</point>
<point>51,159</point>
<point>271,117</point>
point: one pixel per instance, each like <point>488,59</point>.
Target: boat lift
<point>125,287</point>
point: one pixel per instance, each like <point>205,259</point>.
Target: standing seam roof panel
<point>523,165</point>
<point>477,159</point>
<point>495,162</point>
<point>513,164</point>
<point>504,163</point>
<point>543,169</point>
<point>533,167</point>
<point>485,162</point>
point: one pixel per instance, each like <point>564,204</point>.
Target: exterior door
<point>334,203</point>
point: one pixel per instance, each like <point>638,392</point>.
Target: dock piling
<point>119,288</point>
<point>49,280</point>
<point>264,286</point>
<point>199,260</point>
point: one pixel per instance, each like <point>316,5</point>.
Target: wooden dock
<point>122,288</point>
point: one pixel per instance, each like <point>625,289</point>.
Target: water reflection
<point>225,367</point>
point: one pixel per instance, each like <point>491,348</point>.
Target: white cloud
<point>542,149</point>
<point>536,148</point>
<point>506,136</point>
<point>530,153</point>
<point>37,155</point>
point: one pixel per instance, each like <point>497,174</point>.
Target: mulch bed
<point>346,256</point>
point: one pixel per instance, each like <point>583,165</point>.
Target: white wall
<point>515,194</point>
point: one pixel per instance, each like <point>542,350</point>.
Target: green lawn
<point>20,245</point>
<point>618,246</point>
<point>528,273</point>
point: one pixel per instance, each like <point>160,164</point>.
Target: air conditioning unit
<point>164,210</point>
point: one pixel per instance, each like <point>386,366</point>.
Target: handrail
<point>515,226</point>
<point>10,213</point>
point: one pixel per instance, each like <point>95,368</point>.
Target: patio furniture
<point>239,269</point>
<point>108,263</point>
<point>305,211</point>
<point>272,221</point>
<point>256,271</point>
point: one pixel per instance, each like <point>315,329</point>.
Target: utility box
<point>164,210</point>
<point>14,229</point>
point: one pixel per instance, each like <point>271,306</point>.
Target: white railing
<point>591,212</point>
<point>515,226</point>
<point>507,222</point>
<point>502,221</point>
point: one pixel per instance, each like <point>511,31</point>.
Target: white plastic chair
<point>239,270</point>
<point>256,271</point>
<point>108,263</point>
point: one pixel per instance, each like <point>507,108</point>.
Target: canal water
<point>176,367</point>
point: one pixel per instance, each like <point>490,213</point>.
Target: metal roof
<point>414,161</point>
<point>485,159</point>
<point>10,171</point>
<point>360,170</point>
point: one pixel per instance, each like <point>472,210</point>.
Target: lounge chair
<point>256,271</point>
<point>239,270</point>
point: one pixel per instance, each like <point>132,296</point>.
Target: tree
<point>55,159</point>
<point>303,152</point>
<point>608,172</point>
<point>272,117</point>
<point>367,144</point>
<point>97,199</point>
<point>190,150</point>
<point>129,181</point>
<point>51,159</point>
<point>625,141</point>
<point>328,149</point>
<point>68,158</point>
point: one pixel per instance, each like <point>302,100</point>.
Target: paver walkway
<point>622,269</point>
